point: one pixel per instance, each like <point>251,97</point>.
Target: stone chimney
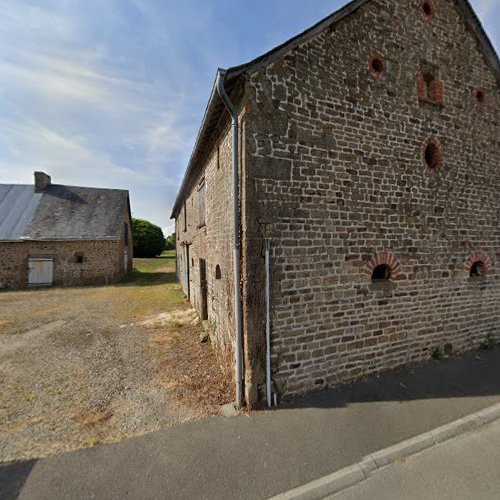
<point>42,180</point>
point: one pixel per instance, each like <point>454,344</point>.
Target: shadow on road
<point>13,476</point>
<point>471,375</point>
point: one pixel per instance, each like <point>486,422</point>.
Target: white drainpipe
<point>236,237</point>
<point>268,330</point>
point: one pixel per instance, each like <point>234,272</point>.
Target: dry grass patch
<point>98,364</point>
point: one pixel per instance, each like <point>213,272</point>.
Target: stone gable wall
<point>336,180</point>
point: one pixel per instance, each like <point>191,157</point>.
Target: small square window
<point>201,203</point>
<point>429,85</point>
<point>79,258</point>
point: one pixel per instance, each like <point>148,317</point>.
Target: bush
<point>148,239</point>
<point>489,343</point>
<point>436,353</point>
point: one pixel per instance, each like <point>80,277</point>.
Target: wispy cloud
<point>86,111</point>
<point>111,93</point>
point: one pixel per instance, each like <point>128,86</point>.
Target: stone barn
<point>367,163</point>
<point>63,235</point>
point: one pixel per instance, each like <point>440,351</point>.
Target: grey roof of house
<point>61,213</point>
<point>215,108</point>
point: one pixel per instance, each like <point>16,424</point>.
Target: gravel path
<point>82,366</point>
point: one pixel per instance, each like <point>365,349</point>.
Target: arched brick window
<point>383,267</point>
<point>478,264</point>
<point>432,156</point>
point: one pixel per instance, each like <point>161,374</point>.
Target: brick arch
<point>428,9</point>
<point>437,155</point>
<point>384,258</point>
<point>376,65</point>
<point>478,256</point>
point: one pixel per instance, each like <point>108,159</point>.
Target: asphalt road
<point>463,468</point>
<point>266,453</point>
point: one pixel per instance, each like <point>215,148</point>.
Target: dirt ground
<point>82,366</point>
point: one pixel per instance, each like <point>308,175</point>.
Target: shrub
<point>436,353</point>
<point>148,239</point>
<point>489,343</point>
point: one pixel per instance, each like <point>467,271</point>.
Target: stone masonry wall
<point>211,242</point>
<point>336,178</point>
<point>103,262</point>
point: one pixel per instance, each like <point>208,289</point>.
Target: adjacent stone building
<point>63,235</point>
<point>370,167</point>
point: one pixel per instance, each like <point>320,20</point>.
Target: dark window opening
<point>448,349</point>
<point>79,258</point>
<point>430,85</point>
<point>428,8</point>
<point>185,217</point>
<point>381,273</point>
<point>192,262</point>
<point>201,203</point>
<point>479,95</point>
<point>218,274</point>
<point>477,269</point>
<point>432,156</point>
<point>377,65</point>
<point>428,78</point>
<point>125,226</point>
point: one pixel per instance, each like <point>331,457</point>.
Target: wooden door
<point>203,289</point>
<point>187,289</point>
<point>40,271</point>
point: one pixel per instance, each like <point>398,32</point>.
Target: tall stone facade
<point>208,238</point>
<point>370,168</point>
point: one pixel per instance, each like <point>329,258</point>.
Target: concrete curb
<point>349,476</point>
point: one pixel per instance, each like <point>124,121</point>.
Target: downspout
<point>268,330</point>
<point>236,236</point>
<point>269,383</point>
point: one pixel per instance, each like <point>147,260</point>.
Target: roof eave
<point>190,167</point>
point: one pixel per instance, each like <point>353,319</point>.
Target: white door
<point>41,271</point>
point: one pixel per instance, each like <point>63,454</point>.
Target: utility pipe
<point>236,236</point>
<point>268,330</point>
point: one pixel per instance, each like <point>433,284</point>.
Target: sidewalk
<point>258,456</point>
<point>465,467</point>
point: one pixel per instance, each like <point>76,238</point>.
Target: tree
<point>148,239</point>
<point>170,242</point>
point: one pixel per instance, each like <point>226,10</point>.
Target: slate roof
<point>215,108</point>
<point>61,213</point>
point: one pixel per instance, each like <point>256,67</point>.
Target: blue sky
<point>111,93</point>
